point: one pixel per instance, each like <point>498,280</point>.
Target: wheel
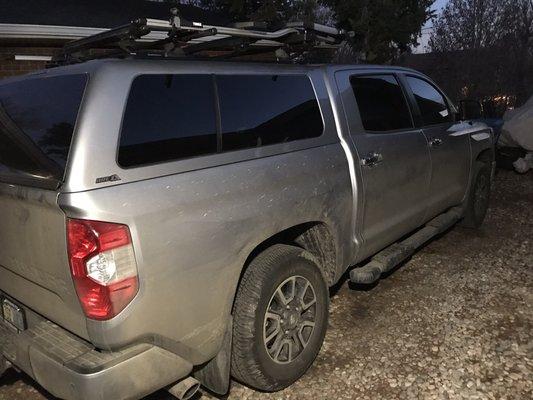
<point>479,196</point>
<point>280,318</point>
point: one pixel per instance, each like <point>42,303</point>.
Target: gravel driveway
<point>455,322</point>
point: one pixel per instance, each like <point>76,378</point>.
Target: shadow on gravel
<point>163,395</point>
<point>11,377</point>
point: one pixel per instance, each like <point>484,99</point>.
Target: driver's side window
<point>432,104</point>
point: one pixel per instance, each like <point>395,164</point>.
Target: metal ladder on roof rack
<point>179,37</point>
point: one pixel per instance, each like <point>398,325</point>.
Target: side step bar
<point>393,255</point>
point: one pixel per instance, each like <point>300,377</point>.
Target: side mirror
<point>470,110</point>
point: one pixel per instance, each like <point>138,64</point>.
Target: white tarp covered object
<point>523,165</point>
<point>517,129</point>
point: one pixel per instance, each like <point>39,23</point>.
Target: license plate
<point>13,315</point>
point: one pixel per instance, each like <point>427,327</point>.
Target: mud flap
<point>215,375</point>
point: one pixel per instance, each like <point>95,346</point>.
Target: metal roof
<point>55,32</point>
<point>74,19</point>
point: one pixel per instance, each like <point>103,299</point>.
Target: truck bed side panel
<point>193,232</point>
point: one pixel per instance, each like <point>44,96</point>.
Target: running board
<point>393,255</point>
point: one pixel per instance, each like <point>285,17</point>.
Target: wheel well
<point>486,156</point>
<point>315,237</point>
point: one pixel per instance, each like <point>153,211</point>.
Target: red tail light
<point>103,267</point>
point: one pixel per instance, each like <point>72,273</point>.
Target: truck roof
<point>184,64</point>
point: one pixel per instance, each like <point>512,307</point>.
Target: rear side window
<point>431,102</point>
<point>261,110</point>
<point>381,103</point>
<point>37,119</point>
<point>173,117</point>
<point>168,117</point>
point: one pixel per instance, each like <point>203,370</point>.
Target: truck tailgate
<point>34,267</point>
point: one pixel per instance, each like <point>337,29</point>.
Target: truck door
<point>390,153</point>
<point>449,145</point>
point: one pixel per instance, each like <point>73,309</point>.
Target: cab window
<point>432,104</point>
<point>381,102</point>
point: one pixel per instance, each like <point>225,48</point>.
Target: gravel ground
<point>455,322</point>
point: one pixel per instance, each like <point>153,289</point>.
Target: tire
<point>3,365</point>
<point>268,366</point>
<point>478,197</point>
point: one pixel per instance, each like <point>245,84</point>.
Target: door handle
<point>371,159</point>
<point>435,142</point>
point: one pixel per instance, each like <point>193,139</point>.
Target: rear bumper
<point>71,369</point>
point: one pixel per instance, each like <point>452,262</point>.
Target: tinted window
<point>381,103</point>
<point>262,110</point>
<point>432,105</point>
<point>37,118</point>
<point>168,117</point>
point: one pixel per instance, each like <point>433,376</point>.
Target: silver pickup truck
<point>166,224</point>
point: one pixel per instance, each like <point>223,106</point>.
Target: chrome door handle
<point>435,142</point>
<point>371,159</point>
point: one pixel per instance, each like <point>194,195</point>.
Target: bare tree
<point>519,40</point>
<point>468,25</point>
<point>490,43</point>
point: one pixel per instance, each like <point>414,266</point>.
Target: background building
<point>32,31</point>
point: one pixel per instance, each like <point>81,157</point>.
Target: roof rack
<point>179,37</point>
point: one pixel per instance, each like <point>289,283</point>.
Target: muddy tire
<point>479,196</point>
<point>4,365</point>
<point>280,318</point>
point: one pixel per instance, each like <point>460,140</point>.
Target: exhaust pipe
<point>185,389</point>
